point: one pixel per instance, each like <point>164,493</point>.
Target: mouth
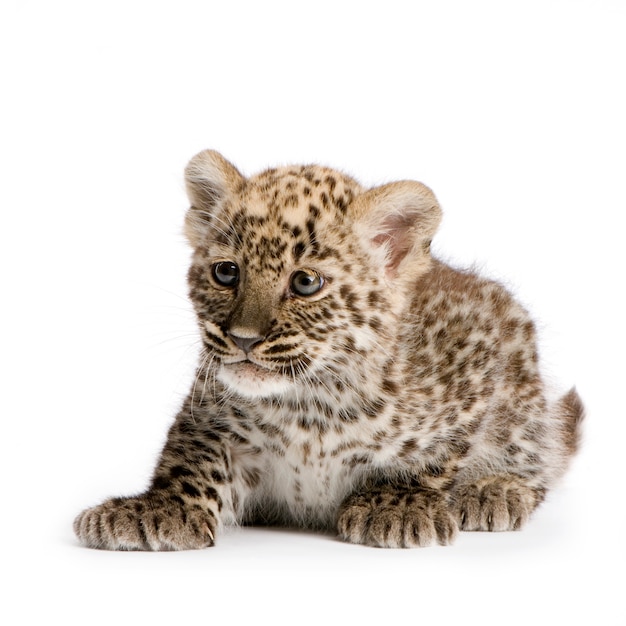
<point>245,362</point>
<point>251,379</point>
<point>247,367</point>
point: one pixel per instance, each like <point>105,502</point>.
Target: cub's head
<point>299,274</point>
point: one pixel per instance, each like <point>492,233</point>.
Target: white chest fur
<point>306,474</point>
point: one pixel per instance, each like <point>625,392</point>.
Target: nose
<point>245,343</point>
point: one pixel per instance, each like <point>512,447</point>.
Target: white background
<point>513,112</point>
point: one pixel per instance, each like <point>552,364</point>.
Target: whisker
<point>228,229</point>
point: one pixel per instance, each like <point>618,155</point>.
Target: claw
<point>209,533</point>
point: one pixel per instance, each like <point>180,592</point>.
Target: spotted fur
<point>398,402</point>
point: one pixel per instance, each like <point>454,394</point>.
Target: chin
<point>252,381</point>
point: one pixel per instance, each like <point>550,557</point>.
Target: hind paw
<point>494,504</point>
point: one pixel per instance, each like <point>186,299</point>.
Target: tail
<point>571,410</point>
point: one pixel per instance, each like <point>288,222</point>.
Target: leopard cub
<point>347,379</point>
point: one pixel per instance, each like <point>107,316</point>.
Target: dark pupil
<point>305,283</point>
<point>226,273</point>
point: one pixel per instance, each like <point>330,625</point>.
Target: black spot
<point>217,476</point>
<point>348,296</point>
<point>459,447</point>
<point>327,252</point>
<point>211,493</point>
<point>298,250</point>
<point>215,339</point>
<point>513,450</point>
<point>358,319</point>
<point>212,436</point>
<point>348,415</point>
<point>310,226</point>
<point>373,409</point>
<point>373,298</point>
<point>375,324</point>
<point>434,470</point>
<point>279,348</point>
<point>190,490</point>
<point>178,471</point>
<point>390,386</point>
<point>304,423</point>
<point>161,482</point>
<point>357,459</point>
<point>408,446</point>
<point>341,204</point>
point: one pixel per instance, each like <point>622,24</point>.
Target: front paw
<point>147,522</point>
<point>391,517</point>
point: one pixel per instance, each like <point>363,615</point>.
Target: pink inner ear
<point>397,233</point>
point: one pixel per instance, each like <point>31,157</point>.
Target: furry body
<point>348,380</point>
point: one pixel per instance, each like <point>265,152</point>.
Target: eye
<point>306,282</point>
<point>225,273</point>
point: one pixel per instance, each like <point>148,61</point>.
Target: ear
<point>209,179</point>
<point>399,221</point>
